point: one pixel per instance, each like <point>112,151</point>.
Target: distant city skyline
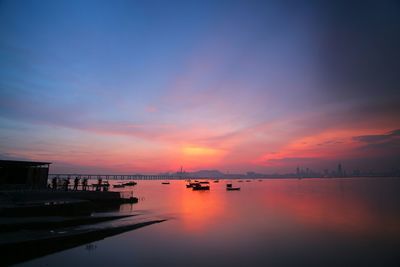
<point>299,172</point>
<point>149,86</point>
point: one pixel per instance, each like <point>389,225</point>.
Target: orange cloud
<point>329,144</point>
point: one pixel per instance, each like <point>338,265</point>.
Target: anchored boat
<point>131,183</point>
<point>198,186</point>
<point>230,188</point>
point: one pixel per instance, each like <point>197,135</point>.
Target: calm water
<point>275,222</point>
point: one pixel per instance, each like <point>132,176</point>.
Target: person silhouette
<point>99,184</point>
<point>84,184</point>
<point>54,183</point>
<point>76,183</point>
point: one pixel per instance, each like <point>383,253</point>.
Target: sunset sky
<point>148,86</point>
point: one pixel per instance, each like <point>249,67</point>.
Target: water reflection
<point>199,209</point>
<point>335,205</point>
<point>277,222</point>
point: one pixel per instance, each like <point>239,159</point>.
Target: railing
<point>120,177</point>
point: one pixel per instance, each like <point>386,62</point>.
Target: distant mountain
<point>207,174</point>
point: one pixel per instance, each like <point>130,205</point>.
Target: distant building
<point>356,172</point>
<point>23,174</point>
<point>339,170</point>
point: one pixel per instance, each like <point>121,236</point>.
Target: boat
<point>189,185</point>
<point>131,183</point>
<point>204,182</point>
<point>216,181</point>
<point>118,186</point>
<point>165,183</point>
<point>230,188</point>
<point>198,186</point>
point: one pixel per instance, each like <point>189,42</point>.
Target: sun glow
<point>200,151</point>
<point>197,157</point>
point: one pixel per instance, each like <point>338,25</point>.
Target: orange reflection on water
<point>199,209</point>
<point>195,210</point>
<point>276,207</point>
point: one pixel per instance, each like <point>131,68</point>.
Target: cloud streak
<point>255,86</point>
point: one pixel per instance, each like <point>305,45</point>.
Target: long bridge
<point>182,176</point>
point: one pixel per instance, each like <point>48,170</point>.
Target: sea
<point>268,222</point>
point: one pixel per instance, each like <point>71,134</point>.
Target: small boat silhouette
<point>131,183</point>
<point>230,188</point>
<point>198,186</point>
<point>191,184</point>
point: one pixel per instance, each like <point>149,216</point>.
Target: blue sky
<point>234,85</point>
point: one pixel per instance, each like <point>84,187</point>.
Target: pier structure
<point>123,176</point>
